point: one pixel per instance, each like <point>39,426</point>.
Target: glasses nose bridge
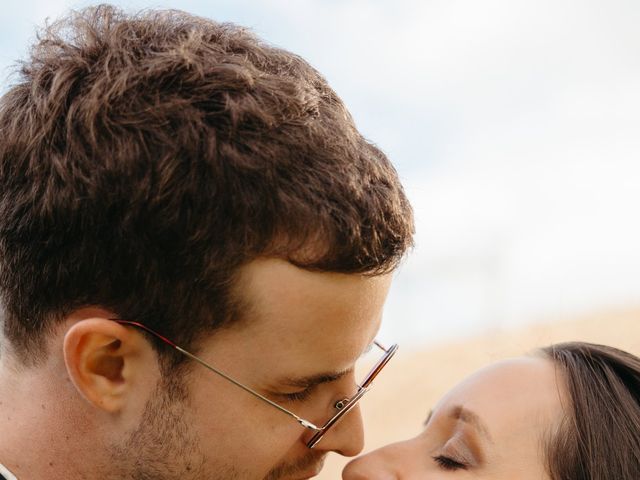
<point>343,391</point>
<point>347,389</point>
<point>348,406</point>
<point>345,438</point>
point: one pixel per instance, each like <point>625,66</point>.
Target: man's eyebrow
<point>314,380</point>
<point>470,417</point>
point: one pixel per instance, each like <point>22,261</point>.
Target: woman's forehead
<point>510,395</point>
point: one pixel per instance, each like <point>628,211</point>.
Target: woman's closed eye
<point>461,450</point>
<point>449,463</point>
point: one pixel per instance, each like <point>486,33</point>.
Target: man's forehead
<point>294,376</point>
<point>302,328</point>
<point>277,296</point>
<point>278,276</point>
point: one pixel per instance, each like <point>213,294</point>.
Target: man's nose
<point>346,437</point>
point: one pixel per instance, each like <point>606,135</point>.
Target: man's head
<point>179,172</point>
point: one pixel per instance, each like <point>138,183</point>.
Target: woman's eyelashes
<point>448,463</point>
<point>456,454</point>
<point>454,446</point>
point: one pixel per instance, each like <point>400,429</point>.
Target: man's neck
<point>37,422</point>
<point>9,418</point>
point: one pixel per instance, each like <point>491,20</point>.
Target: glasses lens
<point>375,364</point>
<point>369,366</point>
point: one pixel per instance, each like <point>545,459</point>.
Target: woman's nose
<point>381,464</point>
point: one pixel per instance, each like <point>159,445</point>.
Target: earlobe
<point>101,356</point>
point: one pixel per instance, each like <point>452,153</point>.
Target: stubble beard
<point>163,446</point>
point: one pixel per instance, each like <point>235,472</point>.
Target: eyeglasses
<point>343,406</point>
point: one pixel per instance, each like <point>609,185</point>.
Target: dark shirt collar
<point>5,474</point>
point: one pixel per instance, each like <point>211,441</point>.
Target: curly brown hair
<point>144,158</point>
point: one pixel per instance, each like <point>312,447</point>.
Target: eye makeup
<point>457,449</point>
<point>460,449</point>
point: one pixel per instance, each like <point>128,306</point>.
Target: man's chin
<point>307,467</point>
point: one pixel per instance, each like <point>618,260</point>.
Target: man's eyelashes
<point>297,396</point>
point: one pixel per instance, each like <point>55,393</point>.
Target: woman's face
<point>493,425</point>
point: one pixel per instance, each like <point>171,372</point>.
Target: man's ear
<point>105,360</point>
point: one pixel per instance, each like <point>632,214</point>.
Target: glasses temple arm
<point>301,421</point>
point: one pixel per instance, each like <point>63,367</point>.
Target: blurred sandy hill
<point>412,383</point>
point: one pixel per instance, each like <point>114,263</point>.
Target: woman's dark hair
<point>145,158</point>
<point>599,438</point>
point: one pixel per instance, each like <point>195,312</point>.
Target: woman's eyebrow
<point>428,418</point>
<point>465,415</point>
<point>470,417</point>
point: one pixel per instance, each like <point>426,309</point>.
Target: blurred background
<point>515,126</point>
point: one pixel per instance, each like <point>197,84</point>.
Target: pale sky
<point>514,125</point>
